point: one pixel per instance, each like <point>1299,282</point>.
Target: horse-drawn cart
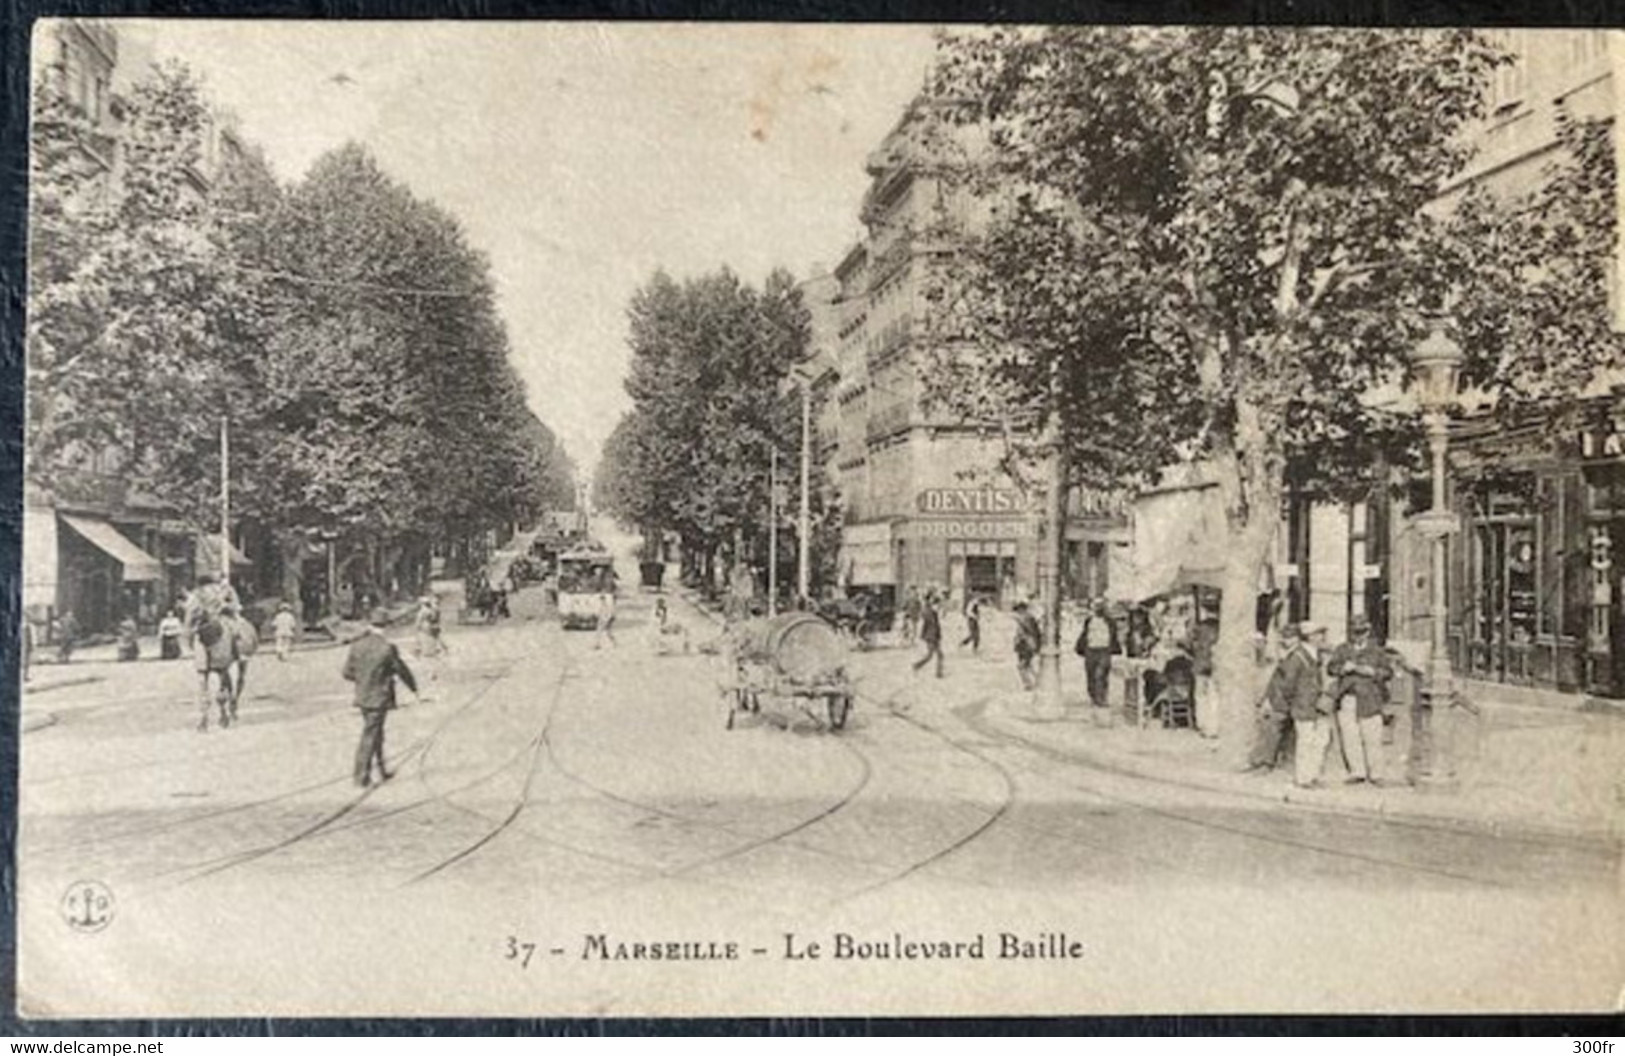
<point>793,660</point>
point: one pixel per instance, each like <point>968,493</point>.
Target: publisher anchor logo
<point>88,906</point>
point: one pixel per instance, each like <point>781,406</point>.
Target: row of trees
<point>712,359</point>
<point>1216,245</point>
<point>343,326</point>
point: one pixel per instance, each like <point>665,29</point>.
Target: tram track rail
<point>200,870</point>
<point>546,747</point>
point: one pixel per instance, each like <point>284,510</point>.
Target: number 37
<point>524,951</point>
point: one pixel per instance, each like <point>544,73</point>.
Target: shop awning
<point>139,566</point>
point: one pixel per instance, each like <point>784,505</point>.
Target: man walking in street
<point>1361,673</point>
<point>930,633</point>
<point>373,665</point>
<point>284,626</point>
<point>911,615</point>
<point>427,625</point>
<point>1029,636</point>
<point>973,624</point>
<point>1096,644</point>
<point>604,631</point>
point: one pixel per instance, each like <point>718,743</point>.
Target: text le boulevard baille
<point>842,946</point>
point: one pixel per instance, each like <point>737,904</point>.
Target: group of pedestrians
<point>1322,696</point>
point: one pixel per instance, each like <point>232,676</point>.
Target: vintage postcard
<point>585,519</point>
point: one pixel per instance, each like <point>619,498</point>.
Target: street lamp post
<point>804,519</point>
<point>1437,361</point>
<point>773,535</point>
<point>1050,703</point>
<point>225,503</point>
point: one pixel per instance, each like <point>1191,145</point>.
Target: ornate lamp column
<point>1437,361</point>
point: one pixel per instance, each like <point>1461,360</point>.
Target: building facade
<point>1534,590</point>
<point>927,503</point>
<point>94,544</point>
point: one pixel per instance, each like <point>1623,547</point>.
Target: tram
<point>586,577</point>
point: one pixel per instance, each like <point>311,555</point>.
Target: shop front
<point>102,576</point>
<point>972,542</point>
<point>1536,585</point>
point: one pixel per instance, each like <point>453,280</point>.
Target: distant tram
<point>586,577</point>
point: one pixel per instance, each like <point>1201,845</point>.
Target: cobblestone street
<point>551,791</point>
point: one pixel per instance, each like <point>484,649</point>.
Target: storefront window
<point>1576,586</point>
<point>1521,583</point>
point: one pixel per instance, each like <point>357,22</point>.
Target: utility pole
<point>225,502</point>
<point>804,523</point>
<point>773,536</point>
<point>1049,702</point>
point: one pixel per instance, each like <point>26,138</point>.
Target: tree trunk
<point>1250,480</point>
<point>1238,678</point>
<point>291,553</point>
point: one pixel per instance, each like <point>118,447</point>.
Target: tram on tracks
<point>586,579</point>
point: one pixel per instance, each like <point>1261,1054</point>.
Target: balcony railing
<point>889,421</point>
<point>889,259</point>
<point>889,343</point>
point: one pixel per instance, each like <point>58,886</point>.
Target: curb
<point>1132,766</point>
<point>37,722</point>
<point>84,680</point>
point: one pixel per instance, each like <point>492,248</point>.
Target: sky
<point>580,157</point>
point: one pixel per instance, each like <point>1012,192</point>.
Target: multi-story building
<point>1533,594</point>
<point>93,544</point>
<point>927,502</point>
<point>1534,581</point>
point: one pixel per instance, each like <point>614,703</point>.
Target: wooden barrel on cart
<point>806,653</point>
<point>798,645</point>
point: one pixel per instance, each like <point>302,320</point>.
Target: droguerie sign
<point>959,502</point>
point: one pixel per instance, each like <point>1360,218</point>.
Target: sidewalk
<point>1531,770</point>
<point>106,652</point>
<point>39,702</point>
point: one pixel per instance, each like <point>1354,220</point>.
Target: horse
<point>852,617</point>
<point>214,652</point>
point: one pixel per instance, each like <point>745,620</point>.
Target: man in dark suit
<point>373,665</point>
<point>930,632</point>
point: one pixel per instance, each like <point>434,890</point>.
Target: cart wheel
<point>840,706</point>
